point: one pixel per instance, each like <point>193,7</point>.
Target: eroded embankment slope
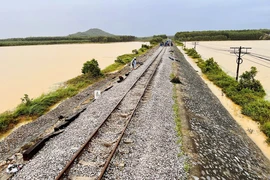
<point>221,147</point>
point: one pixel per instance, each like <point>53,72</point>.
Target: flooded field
<point>259,57</point>
<point>34,70</point>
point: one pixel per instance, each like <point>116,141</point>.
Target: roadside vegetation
<point>248,92</point>
<point>63,40</point>
<point>260,34</point>
<point>30,109</point>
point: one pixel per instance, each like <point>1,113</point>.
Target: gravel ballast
<point>94,157</point>
<point>53,157</point>
<point>149,148</point>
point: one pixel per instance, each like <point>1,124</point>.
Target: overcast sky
<point>23,18</point>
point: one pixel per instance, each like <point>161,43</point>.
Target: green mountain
<point>94,32</point>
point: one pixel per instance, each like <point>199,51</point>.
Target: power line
<point>259,56</point>
<point>258,63</point>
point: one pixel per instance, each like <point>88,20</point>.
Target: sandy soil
<point>259,57</point>
<point>245,122</point>
<point>34,70</point>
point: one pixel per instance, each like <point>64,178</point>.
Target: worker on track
<point>133,63</point>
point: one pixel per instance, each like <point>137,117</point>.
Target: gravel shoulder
<point>220,147</point>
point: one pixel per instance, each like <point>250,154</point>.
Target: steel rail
<point>80,151</point>
<point>128,121</point>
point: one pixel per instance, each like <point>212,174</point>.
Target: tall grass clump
<point>248,92</point>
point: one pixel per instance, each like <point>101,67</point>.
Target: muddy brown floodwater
<point>251,128</point>
<point>259,57</point>
<point>34,70</point>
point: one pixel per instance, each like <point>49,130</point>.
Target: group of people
<point>167,43</point>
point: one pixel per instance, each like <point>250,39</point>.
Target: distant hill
<point>94,32</point>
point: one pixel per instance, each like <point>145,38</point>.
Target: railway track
<point>93,158</point>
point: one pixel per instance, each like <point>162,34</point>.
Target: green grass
<point>172,76</point>
<point>42,104</point>
<point>31,109</point>
<point>186,166</point>
<point>113,67</point>
<point>178,43</point>
<point>251,101</point>
<point>122,60</point>
<point>266,130</point>
<point>177,120</point>
<point>176,112</point>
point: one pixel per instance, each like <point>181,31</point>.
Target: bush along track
<point>30,109</point>
<point>248,92</point>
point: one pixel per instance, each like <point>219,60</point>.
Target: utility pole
<point>239,54</point>
<point>195,43</point>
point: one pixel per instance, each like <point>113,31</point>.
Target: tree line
<point>156,39</point>
<point>63,40</point>
<point>222,35</point>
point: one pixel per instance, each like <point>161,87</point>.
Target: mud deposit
<point>222,150</point>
